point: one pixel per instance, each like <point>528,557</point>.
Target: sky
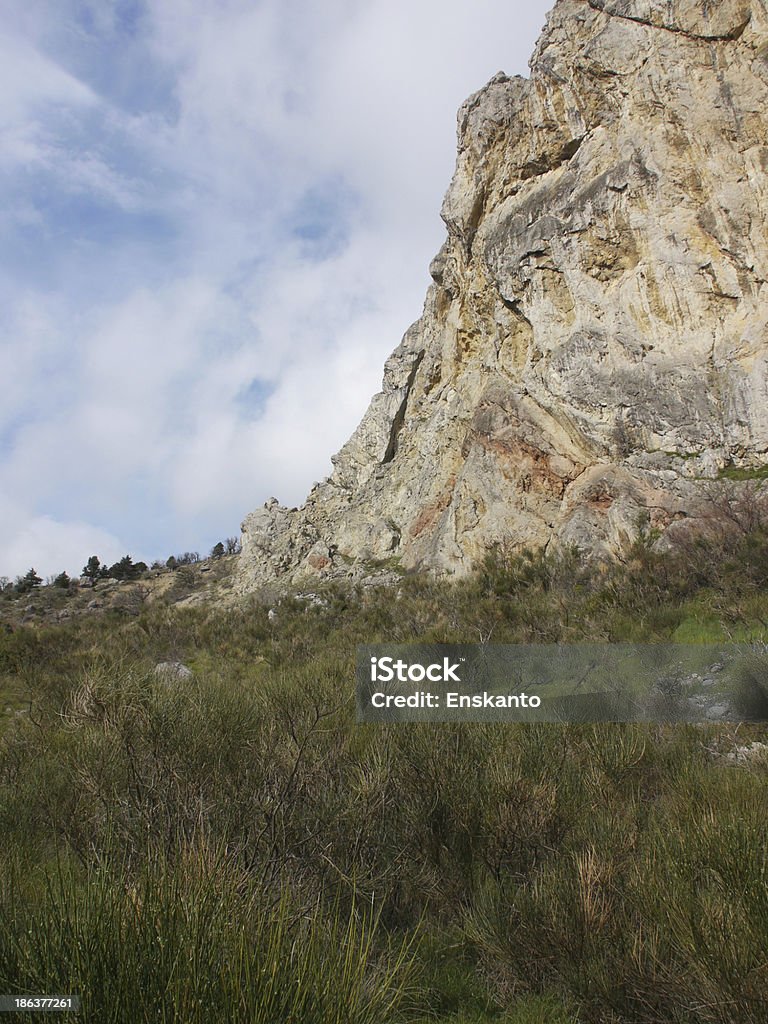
<point>216,219</point>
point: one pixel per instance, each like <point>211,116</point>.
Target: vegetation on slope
<point>233,847</point>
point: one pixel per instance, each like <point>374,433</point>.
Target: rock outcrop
<point>594,348</point>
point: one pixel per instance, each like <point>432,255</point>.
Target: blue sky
<point>217,218</point>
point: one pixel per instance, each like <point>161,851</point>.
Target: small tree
<point>171,563</point>
<point>127,569</point>
<point>217,550</point>
<point>25,584</point>
<point>122,570</point>
<point>92,569</point>
<point>233,545</point>
<point>33,579</point>
<point>62,581</point>
<point>187,558</point>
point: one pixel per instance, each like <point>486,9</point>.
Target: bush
<point>194,939</point>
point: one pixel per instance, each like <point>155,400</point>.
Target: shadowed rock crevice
<point>399,417</point>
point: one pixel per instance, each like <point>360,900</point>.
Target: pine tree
<point>24,584</point>
<point>92,569</point>
<point>121,570</point>
<point>127,569</point>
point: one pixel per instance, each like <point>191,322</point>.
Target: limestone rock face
<point>594,347</point>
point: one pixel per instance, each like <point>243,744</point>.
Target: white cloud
<point>29,79</point>
<point>49,545</point>
<point>52,547</point>
<point>31,84</point>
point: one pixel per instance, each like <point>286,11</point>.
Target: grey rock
<point>312,600</point>
<point>718,711</point>
<point>593,349</point>
<point>750,752</point>
<point>170,671</point>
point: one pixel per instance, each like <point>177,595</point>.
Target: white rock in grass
<point>171,670</point>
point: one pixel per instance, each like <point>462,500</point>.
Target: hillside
<point>227,844</point>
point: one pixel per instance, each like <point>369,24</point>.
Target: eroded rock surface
<point>594,346</point>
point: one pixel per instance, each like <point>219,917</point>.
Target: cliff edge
<point>594,348</point>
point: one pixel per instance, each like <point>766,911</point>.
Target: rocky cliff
<point>594,347</point>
